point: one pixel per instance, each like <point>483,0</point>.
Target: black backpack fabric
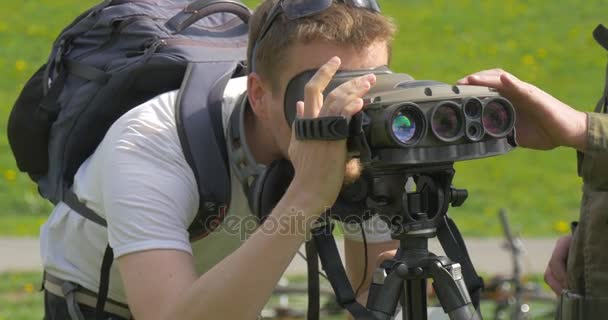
<point>116,56</point>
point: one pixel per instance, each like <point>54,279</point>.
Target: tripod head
<point>418,213</point>
<point>381,189</point>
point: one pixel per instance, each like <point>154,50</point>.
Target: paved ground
<point>488,256</point>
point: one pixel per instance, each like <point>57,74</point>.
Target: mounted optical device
<point>411,122</point>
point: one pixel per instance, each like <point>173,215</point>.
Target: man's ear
<point>259,95</point>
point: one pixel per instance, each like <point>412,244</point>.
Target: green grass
<point>19,296</point>
<point>546,42</point>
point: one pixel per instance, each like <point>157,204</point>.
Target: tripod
<point>414,218</point>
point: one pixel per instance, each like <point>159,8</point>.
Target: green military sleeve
<point>594,170</point>
<point>597,135</point>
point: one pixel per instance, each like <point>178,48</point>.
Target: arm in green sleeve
<point>597,134</point>
<point>594,165</point>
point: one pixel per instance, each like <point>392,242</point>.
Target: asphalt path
<point>488,255</point>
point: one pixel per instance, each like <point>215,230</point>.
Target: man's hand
<point>555,275</point>
<point>319,165</point>
<point>543,122</point>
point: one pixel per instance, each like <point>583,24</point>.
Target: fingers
<point>386,255</point>
<point>313,91</point>
<point>344,95</point>
<point>476,76</point>
<point>559,259</point>
<point>351,108</point>
<point>345,100</point>
<point>556,275</point>
<point>553,282</point>
<point>494,78</point>
<point>300,109</point>
<point>486,80</point>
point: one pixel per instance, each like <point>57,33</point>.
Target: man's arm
<point>161,284</point>
<point>544,122</point>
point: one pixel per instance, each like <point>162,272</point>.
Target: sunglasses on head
<point>295,9</point>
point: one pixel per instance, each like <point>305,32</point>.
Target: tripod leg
<point>452,292</point>
<point>385,292</point>
<point>415,300</point>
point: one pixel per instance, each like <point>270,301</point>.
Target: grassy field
<point>546,42</point>
<point>19,296</point>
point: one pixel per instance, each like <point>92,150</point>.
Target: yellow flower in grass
<point>541,52</point>
<point>528,60</point>
<point>562,226</point>
<point>10,175</point>
<point>28,288</point>
<point>20,65</point>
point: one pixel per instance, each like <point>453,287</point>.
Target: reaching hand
<point>543,122</point>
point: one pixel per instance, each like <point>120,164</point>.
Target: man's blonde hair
<point>339,24</point>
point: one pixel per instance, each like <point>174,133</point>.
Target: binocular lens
<point>496,118</point>
<point>447,122</point>
<point>403,126</point>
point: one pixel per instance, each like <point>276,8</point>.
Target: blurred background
<point>545,42</point>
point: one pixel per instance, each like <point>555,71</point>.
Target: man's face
<point>302,57</point>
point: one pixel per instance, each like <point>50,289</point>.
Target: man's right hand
<point>555,274</point>
<point>543,122</point>
<point>319,165</point>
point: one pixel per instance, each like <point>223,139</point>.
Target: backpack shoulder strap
<point>199,126</point>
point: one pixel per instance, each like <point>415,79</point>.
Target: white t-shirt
<point>140,182</point>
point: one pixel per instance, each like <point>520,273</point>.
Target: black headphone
<point>263,185</point>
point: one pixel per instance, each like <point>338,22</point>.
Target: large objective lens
<point>404,126</point>
<point>497,118</point>
<point>447,122</point>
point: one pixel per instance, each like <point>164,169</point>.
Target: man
<point>140,182</point>
<point>578,268</point>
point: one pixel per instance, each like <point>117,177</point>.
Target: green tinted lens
<point>404,127</point>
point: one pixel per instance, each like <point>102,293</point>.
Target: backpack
<point>113,57</point>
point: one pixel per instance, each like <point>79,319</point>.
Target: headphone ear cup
<point>255,189</point>
<point>269,187</point>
